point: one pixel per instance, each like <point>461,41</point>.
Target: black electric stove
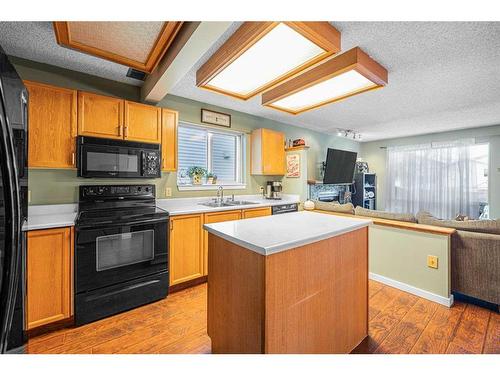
<point>121,252</point>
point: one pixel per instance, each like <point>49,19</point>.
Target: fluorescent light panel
<point>329,90</point>
<point>330,80</point>
<point>280,51</point>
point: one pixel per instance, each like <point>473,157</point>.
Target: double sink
<point>227,203</point>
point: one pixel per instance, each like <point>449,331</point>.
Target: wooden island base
<point>310,299</point>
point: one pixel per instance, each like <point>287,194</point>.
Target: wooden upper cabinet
<point>100,116</point>
<point>49,276</point>
<point>142,122</point>
<point>170,121</point>
<point>267,152</point>
<point>52,126</point>
<point>186,248</point>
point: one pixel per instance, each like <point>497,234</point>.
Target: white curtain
<point>440,178</point>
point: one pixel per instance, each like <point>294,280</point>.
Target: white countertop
<point>51,216</point>
<point>271,234</point>
<point>64,215</point>
<point>183,206</point>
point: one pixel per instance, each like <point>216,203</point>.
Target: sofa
<point>475,248</point>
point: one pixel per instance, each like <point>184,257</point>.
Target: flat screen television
<point>339,168</point>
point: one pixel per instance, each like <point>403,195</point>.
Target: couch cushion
<point>385,215</point>
<point>481,226</point>
<point>346,208</point>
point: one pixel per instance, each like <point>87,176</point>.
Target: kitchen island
<point>291,283</point>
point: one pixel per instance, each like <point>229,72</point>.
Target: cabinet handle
<point>171,225</point>
<point>73,159</point>
<point>120,130</point>
<point>126,131</point>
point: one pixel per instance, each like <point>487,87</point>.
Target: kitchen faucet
<point>220,194</point>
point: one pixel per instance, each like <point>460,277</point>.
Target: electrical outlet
<point>29,196</point>
<point>432,261</point>
<point>168,192</point>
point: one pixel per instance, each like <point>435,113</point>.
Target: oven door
<point>109,161</point>
<point>110,255</point>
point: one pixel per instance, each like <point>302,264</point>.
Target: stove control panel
<point>116,191</point>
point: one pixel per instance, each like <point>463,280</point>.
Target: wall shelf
<point>296,148</point>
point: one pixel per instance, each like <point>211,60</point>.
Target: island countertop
<point>271,234</point>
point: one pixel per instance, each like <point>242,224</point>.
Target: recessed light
<point>331,80</point>
<point>260,54</point>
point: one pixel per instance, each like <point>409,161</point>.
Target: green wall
<point>51,186</point>
<point>401,255</point>
<point>375,155</point>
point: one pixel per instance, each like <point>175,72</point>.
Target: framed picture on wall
<point>215,118</point>
<point>293,166</point>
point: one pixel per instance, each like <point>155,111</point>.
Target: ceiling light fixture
<point>347,133</point>
<point>260,54</point>
<point>331,80</point>
<point>138,45</point>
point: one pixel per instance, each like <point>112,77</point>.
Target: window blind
<point>217,151</point>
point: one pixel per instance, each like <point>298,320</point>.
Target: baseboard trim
<point>448,302</point>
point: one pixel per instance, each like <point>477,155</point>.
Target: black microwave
<point>113,158</point>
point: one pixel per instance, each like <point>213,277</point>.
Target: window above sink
<point>220,152</point>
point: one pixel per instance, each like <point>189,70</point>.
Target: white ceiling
<point>442,76</point>
<point>36,41</point>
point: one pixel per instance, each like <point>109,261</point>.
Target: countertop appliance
<point>113,158</point>
<point>121,250</point>
<point>13,205</point>
<point>284,208</point>
<point>273,190</point>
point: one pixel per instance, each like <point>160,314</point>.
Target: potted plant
<point>196,173</point>
<point>211,178</point>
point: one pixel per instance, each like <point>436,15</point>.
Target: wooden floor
<point>399,323</point>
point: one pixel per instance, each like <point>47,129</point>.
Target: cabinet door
<point>169,140</point>
<point>273,152</point>
<point>216,217</point>
<point>100,116</point>
<point>49,276</point>
<point>186,248</point>
<point>142,122</point>
<point>256,212</point>
<point>52,126</point>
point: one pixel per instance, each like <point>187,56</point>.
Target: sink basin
<point>226,203</point>
<point>238,203</point>
<point>215,204</point>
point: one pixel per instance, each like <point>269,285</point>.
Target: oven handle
<point>109,225</point>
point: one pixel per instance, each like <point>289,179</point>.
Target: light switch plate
<point>432,261</point>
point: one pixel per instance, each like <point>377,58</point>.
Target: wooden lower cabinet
<point>49,276</point>
<point>216,217</point>
<point>186,248</point>
<point>188,259</point>
<point>256,212</point>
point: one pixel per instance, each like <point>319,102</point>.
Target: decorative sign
<point>215,118</point>
<point>293,165</point>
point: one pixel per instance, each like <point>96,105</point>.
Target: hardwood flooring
<point>399,323</point>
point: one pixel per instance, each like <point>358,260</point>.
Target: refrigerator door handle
<point>8,286</point>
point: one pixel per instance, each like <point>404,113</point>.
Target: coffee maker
<point>273,190</point>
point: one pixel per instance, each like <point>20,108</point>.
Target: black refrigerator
<point>13,205</point>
